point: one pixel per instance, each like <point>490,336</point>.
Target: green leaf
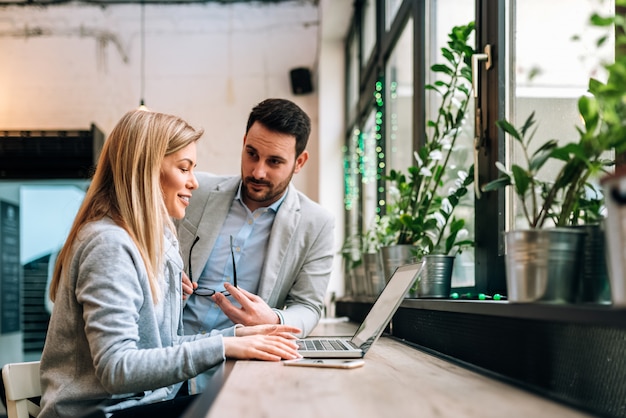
<point>509,129</point>
<point>530,121</point>
<point>456,225</point>
<point>541,155</point>
<point>442,68</point>
<point>450,243</point>
<point>563,153</point>
<point>522,179</point>
<point>597,20</point>
<point>499,183</point>
<point>447,54</point>
<point>588,108</point>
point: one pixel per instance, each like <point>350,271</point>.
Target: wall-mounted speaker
<point>301,81</point>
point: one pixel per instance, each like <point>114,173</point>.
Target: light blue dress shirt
<point>250,232</point>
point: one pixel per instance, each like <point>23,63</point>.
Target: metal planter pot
<point>355,280</point>
<point>594,286</point>
<point>544,264</point>
<point>436,280</point>
<point>374,273</point>
<point>359,281</point>
<point>394,256</point>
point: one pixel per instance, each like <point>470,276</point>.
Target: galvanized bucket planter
<point>436,280</point>
<point>594,286</point>
<point>544,264</point>
<point>355,285</point>
<point>361,280</point>
<point>394,256</point>
<point>374,273</point>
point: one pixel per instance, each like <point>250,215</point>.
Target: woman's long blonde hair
<point>126,186</point>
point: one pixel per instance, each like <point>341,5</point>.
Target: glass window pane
<point>444,15</point>
<point>369,169</point>
<point>352,182</point>
<point>550,71</point>
<point>352,84</point>
<point>44,211</point>
<point>391,9</point>
<point>368,30</point>
<point>399,103</point>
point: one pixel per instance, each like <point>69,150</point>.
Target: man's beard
<point>271,194</point>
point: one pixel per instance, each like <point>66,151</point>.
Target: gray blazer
<point>300,249</point>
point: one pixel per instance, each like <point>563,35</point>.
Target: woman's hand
<point>188,286</point>
<point>285,331</point>
<point>261,347</point>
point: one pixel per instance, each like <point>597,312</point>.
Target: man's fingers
<point>252,310</point>
<point>240,295</point>
<point>242,292</point>
<point>221,301</point>
<point>225,304</point>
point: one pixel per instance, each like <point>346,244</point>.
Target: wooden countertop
<point>396,381</point>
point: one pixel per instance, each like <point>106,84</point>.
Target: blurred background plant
<point>423,201</point>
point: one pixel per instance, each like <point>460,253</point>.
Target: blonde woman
<point>115,338</point>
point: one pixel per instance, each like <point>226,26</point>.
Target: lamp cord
<point>143,51</point>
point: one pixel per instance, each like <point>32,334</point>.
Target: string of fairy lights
<point>364,156</point>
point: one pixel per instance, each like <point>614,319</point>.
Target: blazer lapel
<point>215,210</point>
<point>285,225</point>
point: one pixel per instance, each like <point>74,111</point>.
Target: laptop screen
<point>386,305</point>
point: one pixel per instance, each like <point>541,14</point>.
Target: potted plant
<point>419,219</point>
<point>528,256</point>
<point>354,268</point>
<point>362,263</point>
<point>563,199</point>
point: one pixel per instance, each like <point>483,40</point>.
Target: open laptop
<point>374,324</point>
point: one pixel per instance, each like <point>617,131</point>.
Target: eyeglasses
<point>205,291</point>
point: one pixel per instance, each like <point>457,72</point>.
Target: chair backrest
<point>21,382</point>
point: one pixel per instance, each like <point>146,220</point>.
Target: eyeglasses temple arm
<point>232,254</point>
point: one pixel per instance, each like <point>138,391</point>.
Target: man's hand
<point>253,311</point>
<point>188,287</point>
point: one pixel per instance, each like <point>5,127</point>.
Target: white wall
<point>68,65</point>
<point>335,17</point>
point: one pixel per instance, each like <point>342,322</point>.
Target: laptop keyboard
<point>320,345</point>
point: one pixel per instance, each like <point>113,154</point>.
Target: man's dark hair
<point>284,116</point>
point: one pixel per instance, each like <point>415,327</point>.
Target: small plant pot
<point>544,264</point>
<point>436,279</point>
<point>360,282</point>
<point>394,256</point>
<point>374,273</point>
<point>594,286</point>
